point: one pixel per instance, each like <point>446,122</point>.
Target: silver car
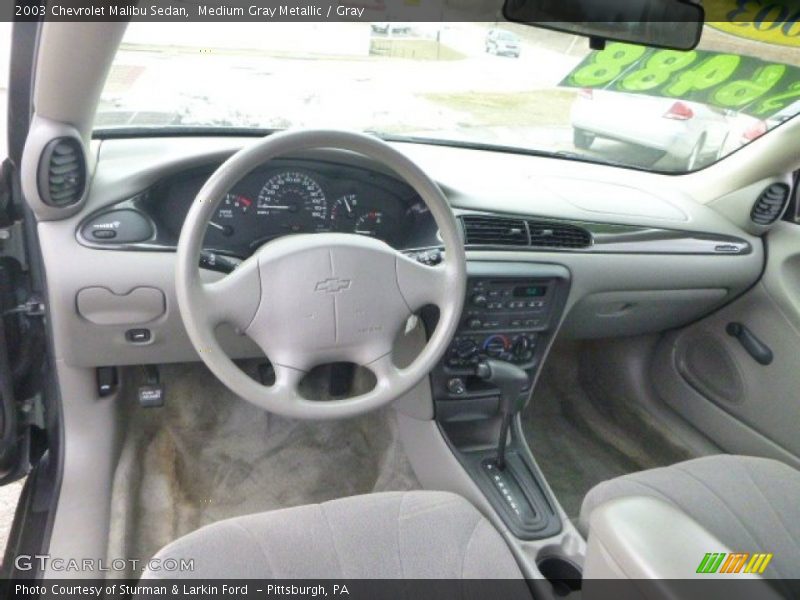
<point>688,133</point>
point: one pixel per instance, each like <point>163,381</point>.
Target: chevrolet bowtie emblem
<point>332,285</point>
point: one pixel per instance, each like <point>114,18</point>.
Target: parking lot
<point>437,81</point>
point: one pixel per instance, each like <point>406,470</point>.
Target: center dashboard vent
<point>494,231</point>
<point>62,172</point>
<point>482,230</point>
<point>770,204</point>
<point>558,235</point>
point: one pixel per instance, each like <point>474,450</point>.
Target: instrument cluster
<point>290,197</point>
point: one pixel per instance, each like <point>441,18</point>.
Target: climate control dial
<point>496,346</point>
<point>465,348</point>
<point>522,348</point>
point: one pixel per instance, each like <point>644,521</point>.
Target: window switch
<point>137,336</point>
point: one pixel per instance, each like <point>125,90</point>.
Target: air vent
<point>770,204</point>
<point>494,231</point>
<point>62,172</point>
<point>558,235</point>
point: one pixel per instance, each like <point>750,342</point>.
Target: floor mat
<point>577,444</point>
<point>209,455</point>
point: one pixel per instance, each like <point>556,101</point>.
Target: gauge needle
<point>347,205</point>
<point>278,207</point>
<point>226,230</point>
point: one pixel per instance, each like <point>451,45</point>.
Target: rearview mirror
<point>674,24</point>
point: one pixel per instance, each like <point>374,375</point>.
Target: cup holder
<point>565,576</point>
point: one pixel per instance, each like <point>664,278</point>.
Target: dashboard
<point>286,197</point>
<point>638,260</point>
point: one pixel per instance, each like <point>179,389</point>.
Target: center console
<point>510,314</point>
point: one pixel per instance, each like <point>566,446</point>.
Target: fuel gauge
<point>371,223</point>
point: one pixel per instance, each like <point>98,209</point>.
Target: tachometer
<point>294,201</point>
<point>344,212</point>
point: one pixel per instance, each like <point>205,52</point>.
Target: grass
<point>534,108</point>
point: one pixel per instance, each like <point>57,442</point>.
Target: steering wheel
<point>312,299</point>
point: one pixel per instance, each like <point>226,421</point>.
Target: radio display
<point>530,291</point>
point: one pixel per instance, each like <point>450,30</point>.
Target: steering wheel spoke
<point>287,381</point>
<point>235,298</point>
<point>384,369</point>
<point>422,284</point>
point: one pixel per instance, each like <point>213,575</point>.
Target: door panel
<point>708,376</point>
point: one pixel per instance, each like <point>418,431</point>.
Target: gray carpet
<point>208,455</point>
<point>579,437</point>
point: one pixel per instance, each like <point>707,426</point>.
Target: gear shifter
<point>510,380</point>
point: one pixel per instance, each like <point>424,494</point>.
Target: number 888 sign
<point>729,81</point>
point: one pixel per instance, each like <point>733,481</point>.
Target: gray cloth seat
<point>420,535</point>
<point>751,504</point>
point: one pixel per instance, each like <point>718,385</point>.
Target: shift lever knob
<point>510,380</point>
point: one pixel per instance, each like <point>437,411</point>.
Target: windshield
<point>461,83</point>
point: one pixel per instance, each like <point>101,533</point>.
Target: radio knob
<point>479,300</point>
<point>474,323</point>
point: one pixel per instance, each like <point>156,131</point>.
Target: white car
<point>689,133</point>
<point>758,127</point>
<point>502,43</point>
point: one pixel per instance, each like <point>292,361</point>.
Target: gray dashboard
<point>651,261</point>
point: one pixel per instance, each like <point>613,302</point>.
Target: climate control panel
<point>467,350</point>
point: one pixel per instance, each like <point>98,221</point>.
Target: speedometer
<point>294,201</point>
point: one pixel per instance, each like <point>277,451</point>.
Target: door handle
<point>760,352</point>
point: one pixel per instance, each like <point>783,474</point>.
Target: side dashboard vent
<point>494,231</point>
<point>558,235</point>
<point>770,204</point>
<point>62,172</point>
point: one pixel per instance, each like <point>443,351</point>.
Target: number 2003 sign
<point>729,81</point>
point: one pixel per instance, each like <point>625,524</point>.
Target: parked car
<point>759,127</point>
<point>502,43</point>
<point>689,133</point>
